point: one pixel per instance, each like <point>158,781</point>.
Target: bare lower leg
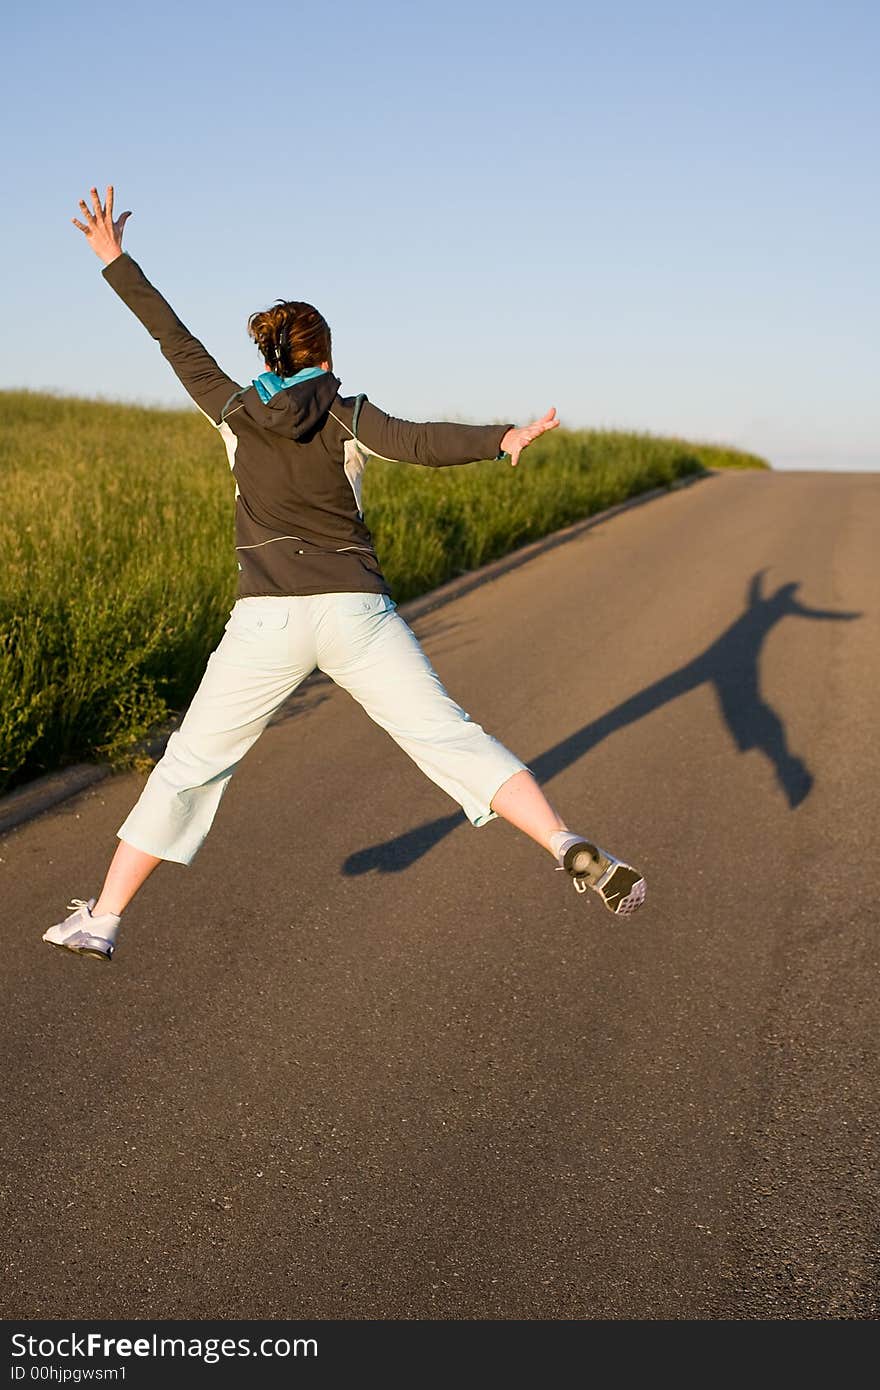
<point>521,801</point>
<point>129,870</point>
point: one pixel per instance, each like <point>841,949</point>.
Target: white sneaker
<point>620,886</point>
<point>85,934</point>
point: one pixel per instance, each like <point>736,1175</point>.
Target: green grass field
<point>116,538</point>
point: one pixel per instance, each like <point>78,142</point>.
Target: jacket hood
<point>295,411</point>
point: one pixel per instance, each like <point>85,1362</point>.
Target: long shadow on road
<point>729,666</point>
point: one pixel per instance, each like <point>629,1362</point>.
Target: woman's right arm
<point>199,374</point>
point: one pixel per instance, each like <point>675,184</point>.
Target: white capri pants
<point>269,647</point>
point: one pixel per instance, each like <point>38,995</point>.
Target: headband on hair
<point>280,347</point>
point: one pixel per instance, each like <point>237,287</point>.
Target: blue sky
<point>661,217</point>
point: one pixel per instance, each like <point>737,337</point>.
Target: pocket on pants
<point>362,605</point>
<point>250,622</point>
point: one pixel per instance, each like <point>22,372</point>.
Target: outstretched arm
<point>207,384</point>
<point>440,444</point>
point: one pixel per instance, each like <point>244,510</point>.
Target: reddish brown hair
<point>291,336</point>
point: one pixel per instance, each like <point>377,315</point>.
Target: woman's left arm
<point>441,443</point>
<point>207,384</point>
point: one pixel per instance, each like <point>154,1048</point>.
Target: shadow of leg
<point>392,856</point>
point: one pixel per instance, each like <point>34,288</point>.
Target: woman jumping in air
<point>311,595</point>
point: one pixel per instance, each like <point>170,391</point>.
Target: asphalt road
<point>360,1060</point>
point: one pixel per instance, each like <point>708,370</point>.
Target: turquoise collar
<point>268,385</point>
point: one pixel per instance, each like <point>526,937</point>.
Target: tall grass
<point>118,569</point>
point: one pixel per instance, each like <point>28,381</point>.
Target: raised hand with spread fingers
<point>101,232</point>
